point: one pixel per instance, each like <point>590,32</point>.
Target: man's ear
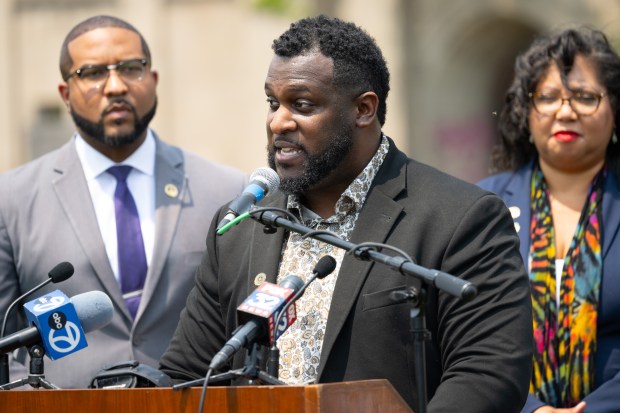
<point>367,104</point>
<point>155,75</point>
<point>63,90</point>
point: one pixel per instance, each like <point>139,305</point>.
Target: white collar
<point>94,163</point>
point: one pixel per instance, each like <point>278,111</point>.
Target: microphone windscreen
<point>61,272</point>
<point>267,176</point>
<point>94,309</point>
<point>325,266</point>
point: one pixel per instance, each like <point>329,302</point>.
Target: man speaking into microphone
<point>326,89</point>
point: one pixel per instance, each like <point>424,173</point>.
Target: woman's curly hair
<point>560,48</point>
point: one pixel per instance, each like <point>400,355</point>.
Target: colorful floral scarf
<point>565,337</point>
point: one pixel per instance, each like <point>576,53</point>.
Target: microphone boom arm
<point>448,283</point>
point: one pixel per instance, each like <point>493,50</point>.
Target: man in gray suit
<point>61,207</point>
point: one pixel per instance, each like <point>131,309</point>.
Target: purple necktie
<point>132,265</point>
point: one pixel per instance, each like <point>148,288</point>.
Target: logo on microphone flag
<point>266,302</point>
<point>287,319</point>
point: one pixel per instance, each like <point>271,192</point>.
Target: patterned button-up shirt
<point>300,346</point>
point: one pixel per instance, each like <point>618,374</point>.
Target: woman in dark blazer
<point>558,157</point>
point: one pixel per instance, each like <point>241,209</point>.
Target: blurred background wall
<point>450,60</point>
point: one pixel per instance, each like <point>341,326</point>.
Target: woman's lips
<point>566,136</point>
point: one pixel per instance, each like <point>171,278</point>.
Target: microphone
<point>59,273</point>
<point>325,266</point>
<point>58,320</point>
<point>258,313</point>
<point>263,182</point>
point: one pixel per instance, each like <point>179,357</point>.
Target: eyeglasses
<point>96,75</point>
<point>582,103</point>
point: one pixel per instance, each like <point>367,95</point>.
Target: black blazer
<point>479,358</point>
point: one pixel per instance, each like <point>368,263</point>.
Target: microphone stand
<point>273,359</point>
<point>420,335</point>
<point>35,378</point>
<point>448,283</point>
<point>251,371</point>
<point>417,297</point>
<point>4,369</point>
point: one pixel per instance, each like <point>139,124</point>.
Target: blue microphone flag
<point>264,305</point>
<point>57,321</point>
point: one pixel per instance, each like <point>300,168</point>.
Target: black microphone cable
<point>203,394</point>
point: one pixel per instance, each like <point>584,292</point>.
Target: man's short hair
<point>93,23</point>
<point>358,62</point>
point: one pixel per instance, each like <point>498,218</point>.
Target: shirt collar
<point>354,196</point>
<point>94,163</point>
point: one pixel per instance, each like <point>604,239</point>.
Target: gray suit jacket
<point>47,216</point>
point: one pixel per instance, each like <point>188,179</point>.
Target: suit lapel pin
<point>171,190</point>
<point>515,212</point>
<point>260,278</point>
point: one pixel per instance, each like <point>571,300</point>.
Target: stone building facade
<point>451,61</point>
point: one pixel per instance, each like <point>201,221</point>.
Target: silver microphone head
<point>267,176</point>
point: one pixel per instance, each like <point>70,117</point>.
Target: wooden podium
<point>348,397</point>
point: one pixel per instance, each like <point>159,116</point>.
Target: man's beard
<point>97,131</point>
<point>316,167</point>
